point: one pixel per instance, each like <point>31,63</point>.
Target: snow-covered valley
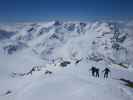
<point>52,60</point>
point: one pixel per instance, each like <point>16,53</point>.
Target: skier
<point>106,72</point>
<point>97,72</point>
<point>93,70</point>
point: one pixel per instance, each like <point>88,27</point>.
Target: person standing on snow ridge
<point>93,70</point>
<point>97,72</point>
<point>106,72</point>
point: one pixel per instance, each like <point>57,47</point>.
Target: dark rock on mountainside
<point>48,72</point>
<point>116,46</point>
<point>43,30</point>
<point>5,35</point>
<point>8,92</point>
<point>54,36</point>
<point>30,30</point>
<point>57,23</point>
<point>78,61</point>
<point>65,63</point>
<point>122,39</point>
<point>11,48</point>
<point>70,27</point>
<point>82,24</point>
<point>127,82</point>
<point>30,72</point>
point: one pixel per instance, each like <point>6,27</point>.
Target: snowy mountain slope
<point>71,83</point>
<point>36,48</point>
<point>45,38</point>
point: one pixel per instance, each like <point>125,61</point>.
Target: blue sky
<point>44,10</point>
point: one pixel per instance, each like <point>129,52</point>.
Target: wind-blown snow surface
<point>45,45</point>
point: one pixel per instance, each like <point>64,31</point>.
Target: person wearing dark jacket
<point>106,72</point>
<point>93,70</point>
<point>97,72</point>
